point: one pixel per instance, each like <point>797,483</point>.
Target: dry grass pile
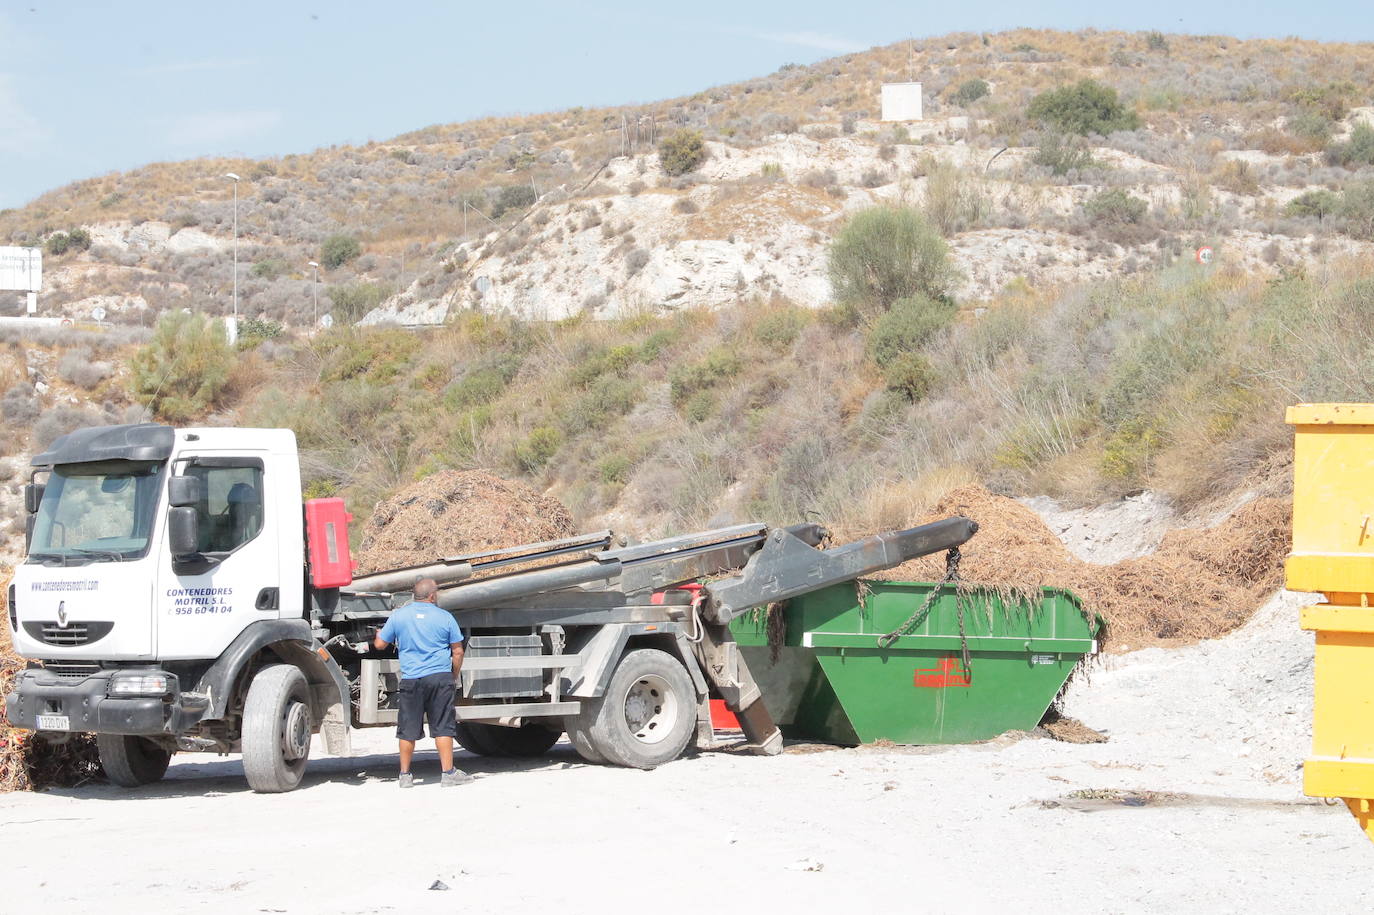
<point>1198,585</point>
<point>454,512</point>
<point>26,763</point>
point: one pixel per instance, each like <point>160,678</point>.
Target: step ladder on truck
<point>178,596</point>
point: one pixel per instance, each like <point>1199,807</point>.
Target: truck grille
<point>50,633</point>
<point>74,670</point>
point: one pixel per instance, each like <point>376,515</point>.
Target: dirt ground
<point>1194,804</point>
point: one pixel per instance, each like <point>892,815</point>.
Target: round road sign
<point>1204,254</point>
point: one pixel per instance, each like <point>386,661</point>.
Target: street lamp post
<point>316,290</point>
<point>235,178</point>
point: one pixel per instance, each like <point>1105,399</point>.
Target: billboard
<point>21,269</point>
<point>901,101</point>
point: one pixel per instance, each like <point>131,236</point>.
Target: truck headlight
<point>152,684</point>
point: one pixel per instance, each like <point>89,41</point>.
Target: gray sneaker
<point>453,777</point>
<point>406,780</point>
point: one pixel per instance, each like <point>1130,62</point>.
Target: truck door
<point>205,601</point>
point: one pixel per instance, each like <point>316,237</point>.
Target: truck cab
<point>151,553</point>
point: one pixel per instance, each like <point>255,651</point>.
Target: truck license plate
<point>54,723</point>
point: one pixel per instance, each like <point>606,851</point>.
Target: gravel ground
<point>1194,804</point>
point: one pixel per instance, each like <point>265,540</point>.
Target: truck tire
<point>581,740</point>
<point>276,729</point>
<point>529,740</point>
<point>472,739</point>
<point>647,714</point>
<point>131,761</point>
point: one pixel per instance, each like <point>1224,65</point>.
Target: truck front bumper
<point>88,708</point>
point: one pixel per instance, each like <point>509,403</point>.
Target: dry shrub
<point>456,512</point>
<point>1199,584</point>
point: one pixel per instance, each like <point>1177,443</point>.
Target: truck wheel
<point>276,729</point>
<point>472,739</point>
<point>581,740</point>
<point>131,761</point>
<point>647,714</point>
<point>529,740</point>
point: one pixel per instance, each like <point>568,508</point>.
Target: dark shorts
<point>430,698</point>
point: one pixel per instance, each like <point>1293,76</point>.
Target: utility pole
<point>316,289</point>
<point>235,178</point>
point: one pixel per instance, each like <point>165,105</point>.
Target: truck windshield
<point>96,511</point>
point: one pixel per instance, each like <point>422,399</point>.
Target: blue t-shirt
<point>422,634</point>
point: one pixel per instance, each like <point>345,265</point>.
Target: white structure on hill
<point>901,101</point>
<point>21,270</point>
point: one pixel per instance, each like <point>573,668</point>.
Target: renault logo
<point>61,614</point>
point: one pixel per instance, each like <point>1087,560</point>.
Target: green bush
<point>689,378</point>
<point>482,383</point>
<point>681,152</point>
<point>181,372</point>
<point>353,301</point>
<point>1356,151</point>
<point>1156,41</point>
<point>1061,154</point>
<point>910,375</point>
<point>969,92</point>
<point>614,469</point>
<point>271,268</point>
<point>253,331</point>
<point>699,406</point>
<point>888,253</point>
<point>1356,210</point>
<point>1319,204</point>
<point>906,327</point>
<point>1312,125</point>
<point>338,250</point>
<point>513,197</point>
<point>538,448</point>
<point>1115,207</point>
<point>615,360</point>
<point>607,400</point>
<point>60,243</point>
<point>779,329</point>
<point>1087,107</point>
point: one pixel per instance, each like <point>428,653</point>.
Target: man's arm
<point>457,657</point>
<point>384,636</point>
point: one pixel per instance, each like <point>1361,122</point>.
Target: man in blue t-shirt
<point>430,646</point>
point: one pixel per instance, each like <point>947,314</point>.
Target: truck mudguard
<point>292,641</point>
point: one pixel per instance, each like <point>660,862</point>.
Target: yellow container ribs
<point>1333,554</point>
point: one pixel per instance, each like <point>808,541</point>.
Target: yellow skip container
<point>1333,554</point>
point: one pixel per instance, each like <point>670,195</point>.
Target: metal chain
<point>951,575</point>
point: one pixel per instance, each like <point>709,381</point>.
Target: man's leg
<point>409,726</point>
<point>443,727</point>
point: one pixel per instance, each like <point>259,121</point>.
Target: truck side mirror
<point>183,530</point>
<point>183,491</point>
<point>33,494</point>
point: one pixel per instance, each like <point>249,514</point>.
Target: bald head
<point>425,589</point>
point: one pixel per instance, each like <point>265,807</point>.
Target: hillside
<point>549,215</point>
<point>668,352</point>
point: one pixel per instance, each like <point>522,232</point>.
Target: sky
<point>87,88</point>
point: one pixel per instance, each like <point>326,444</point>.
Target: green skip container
<point>832,682</point>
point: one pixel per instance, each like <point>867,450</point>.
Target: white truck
<point>178,596</point>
